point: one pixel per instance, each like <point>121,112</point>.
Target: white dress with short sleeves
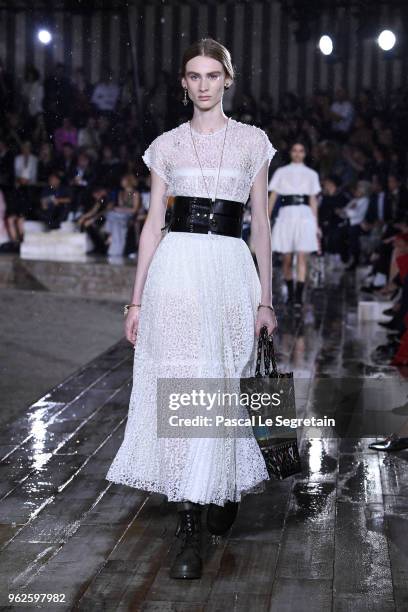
<point>197,320</point>
<point>295,227</point>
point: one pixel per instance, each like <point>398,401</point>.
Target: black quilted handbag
<point>281,454</point>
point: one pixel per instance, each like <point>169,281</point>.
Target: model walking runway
<point>295,231</point>
<point>198,304</point>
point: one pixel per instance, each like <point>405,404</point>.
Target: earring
<point>185,99</point>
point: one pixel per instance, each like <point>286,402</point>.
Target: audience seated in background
<point>332,224</point>
<point>66,162</point>
<point>93,134</point>
<point>4,235</point>
<point>21,202</point>
<point>80,179</point>
<point>93,220</point>
<point>55,202</point>
<point>355,211</point>
<point>66,133</point>
<point>120,220</point>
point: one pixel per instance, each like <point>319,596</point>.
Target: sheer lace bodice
<point>173,157</point>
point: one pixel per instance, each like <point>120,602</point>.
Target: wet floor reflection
<point>335,530</point>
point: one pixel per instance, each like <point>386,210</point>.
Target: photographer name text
<point>250,421</point>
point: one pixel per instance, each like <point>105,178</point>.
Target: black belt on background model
<point>203,216</point>
<point>293,200</point>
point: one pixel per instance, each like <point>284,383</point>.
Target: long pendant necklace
<point>219,166</point>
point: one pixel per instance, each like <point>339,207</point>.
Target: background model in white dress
<point>295,227</point>
<point>197,319</point>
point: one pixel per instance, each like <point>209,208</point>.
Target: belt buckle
<point>210,218</point>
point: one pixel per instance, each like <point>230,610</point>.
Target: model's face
<point>205,79</point>
<point>297,153</point>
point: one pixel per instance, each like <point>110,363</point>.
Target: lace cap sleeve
<point>263,150</point>
<point>155,158</point>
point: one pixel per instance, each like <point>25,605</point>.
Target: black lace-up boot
<point>221,518</point>
<point>299,293</point>
<point>188,563</point>
<point>289,285</point>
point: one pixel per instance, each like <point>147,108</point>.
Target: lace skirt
<point>294,230</point>
<point>197,320</point>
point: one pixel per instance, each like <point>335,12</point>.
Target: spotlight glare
<point>386,40</point>
<point>44,36</point>
<point>326,45</point>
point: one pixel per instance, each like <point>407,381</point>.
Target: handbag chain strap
<point>266,342</point>
<point>269,340</point>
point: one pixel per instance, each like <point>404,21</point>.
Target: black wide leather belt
<point>203,216</point>
<point>293,200</point>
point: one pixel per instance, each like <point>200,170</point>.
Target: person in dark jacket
<point>379,208</point>
<point>333,226</point>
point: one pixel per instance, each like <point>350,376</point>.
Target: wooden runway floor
<point>333,538</point>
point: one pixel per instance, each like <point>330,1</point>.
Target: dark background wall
<point>273,43</point>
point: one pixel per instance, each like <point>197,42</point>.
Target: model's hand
<point>131,324</point>
<point>266,317</point>
<point>319,232</point>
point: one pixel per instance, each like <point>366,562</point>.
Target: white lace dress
<point>197,319</point>
<point>295,228</point>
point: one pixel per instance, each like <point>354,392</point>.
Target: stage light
<point>326,45</point>
<point>386,40</point>
<point>44,36</point>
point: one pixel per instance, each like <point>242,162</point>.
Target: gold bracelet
<point>266,306</point>
<point>127,306</point>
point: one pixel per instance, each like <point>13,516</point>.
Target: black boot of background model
<point>299,293</point>
<point>289,285</point>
